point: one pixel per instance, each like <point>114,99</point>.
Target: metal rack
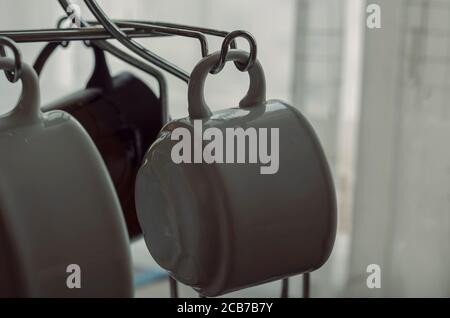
<point>125,31</point>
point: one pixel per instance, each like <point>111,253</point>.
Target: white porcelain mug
<point>223,225</point>
<point>59,214</point>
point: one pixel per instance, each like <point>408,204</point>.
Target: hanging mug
<point>122,116</point>
<point>238,197</point>
<point>62,232</point>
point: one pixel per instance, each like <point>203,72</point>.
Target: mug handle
<point>256,94</point>
<point>28,108</point>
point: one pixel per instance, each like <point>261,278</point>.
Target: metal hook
<point>12,76</point>
<point>229,39</point>
<point>59,25</point>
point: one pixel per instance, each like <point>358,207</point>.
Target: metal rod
<point>218,33</point>
<point>65,4</point>
<point>133,45</point>
<point>61,35</point>
<point>306,285</point>
<point>285,288</point>
<point>133,29</point>
<point>212,32</point>
<point>173,287</point>
<point>165,31</point>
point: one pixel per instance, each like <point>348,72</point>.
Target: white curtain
<point>402,206</point>
<point>384,124</point>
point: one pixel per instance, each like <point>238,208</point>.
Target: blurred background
<point>378,99</point>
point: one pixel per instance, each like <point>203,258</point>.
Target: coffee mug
<point>123,116</point>
<point>238,197</point>
<point>123,119</point>
<point>62,233</point>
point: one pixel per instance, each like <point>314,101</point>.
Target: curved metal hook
<point>59,25</point>
<point>12,76</point>
<point>229,39</point>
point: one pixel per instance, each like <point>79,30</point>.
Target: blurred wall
<point>402,199</point>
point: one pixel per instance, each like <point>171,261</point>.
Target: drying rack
<point>97,33</point>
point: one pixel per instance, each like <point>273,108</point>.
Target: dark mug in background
<point>123,117</point>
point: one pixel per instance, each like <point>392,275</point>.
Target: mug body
<point>222,225</point>
<point>58,208</point>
